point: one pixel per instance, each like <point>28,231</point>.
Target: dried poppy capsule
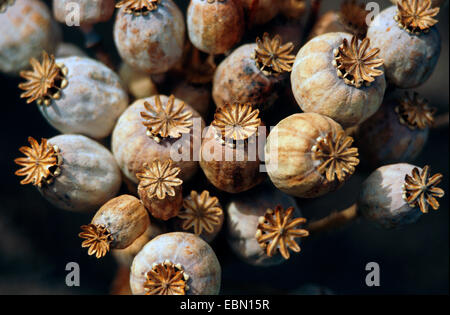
<point>149,35</point>
<point>409,42</point>
<point>89,12</point>
<point>176,264</point>
<point>116,225</point>
<point>138,83</point>
<point>209,34</point>
<point>398,194</point>
<point>350,18</point>
<point>75,95</point>
<point>160,189</point>
<point>18,43</point>
<point>125,256</point>
<point>157,128</point>
<point>261,11</point>
<point>72,172</point>
<point>202,215</point>
<point>397,132</point>
<point>229,154</point>
<point>264,226</point>
<point>293,9</point>
<point>336,75</point>
<point>309,155</point>
<point>199,95</point>
<point>253,73</point>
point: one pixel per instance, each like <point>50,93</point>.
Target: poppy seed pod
<point>207,33</point>
<point>398,194</point>
<point>410,47</point>
<point>89,11</point>
<point>79,95</point>
<point>336,75</point>
<point>261,11</point>
<point>19,43</point>
<point>149,35</point>
<point>72,172</point>
<point>176,264</point>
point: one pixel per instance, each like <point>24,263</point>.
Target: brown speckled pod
<point>180,252</point>
<point>318,88</point>
<point>409,59</point>
<point>385,138</point>
<point>261,11</point>
<point>301,152</point>
<point>209,34</point>
<point>239,79</point>
<point>27,28</point>
<point>154,42</point>
<point>90,11</point>
<point>89,175</point>
<point>243,213</point>
<point>132,147</point>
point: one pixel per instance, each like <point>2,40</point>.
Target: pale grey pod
<point>409,59</point>
<point>91,102</point>
<point>90,11</point>
<point>89,175</point>
<point>195,256</point>
<point>26,28</point>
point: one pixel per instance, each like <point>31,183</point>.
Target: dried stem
<point>334,220</point>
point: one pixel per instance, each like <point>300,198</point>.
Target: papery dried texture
<point>244,213</point>
<point>409,59</point>
<point>138,83</point>
<point>152,43</point>
<point>317,87</point>
<point>132,147</point>
<point>414,112</point>
<point>27,29</point>
<point>166,278</point>
<point>238,78</point>
<point>308,156</point>
<point>233,165</point>
<point>116,225</point>
<point>261,11</point>
<point>198,95</point>
<point>89,175</point>
<point>381,198</point>
<point>193,255</point>
<point>89,11</point>
<point>160,189</point>
<point>138,7</point>
<point>202,215</point>
<point>419,189</point>
<point>416,16</point>
<point>90,103</point>
<point>384,139</point>
<point>206,33</point>
<point>272,56</point>
<point>41,163</point>
<point>293,9</point>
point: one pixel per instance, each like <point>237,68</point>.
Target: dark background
<point>37,240</point>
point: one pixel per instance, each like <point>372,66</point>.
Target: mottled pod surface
<point>381,201</point>
<point>409,59</point>
<point>214,27</point>
<point>317,87</point>
<point>26,29</point>
<point>152,43</point>
<point>89,175</point>
<point>243,213</point>
<point>90,11</point>
<point>238,79</point>
<point>132,147</point>
<point>194,255</point>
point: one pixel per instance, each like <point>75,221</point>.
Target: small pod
<point>18,44</point>
<point>138,83</point>
<point>176,264</point>
<point>336,75</point>
<point>116,225</point>
<point>72,172</point>
<point>309,155</point>
<point>398,194</point>
<point>229,155</point>
<point>149,35</point>
<point>410,47</point>
<point>157,128</point>
<point>397,132</point>
<point>78,95</point>
<point>262,226</point>
<point>89,11</point>
<point>253,73</point>
<point>293,9</point>
<point>209,34</point>
<point>261,11</point>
